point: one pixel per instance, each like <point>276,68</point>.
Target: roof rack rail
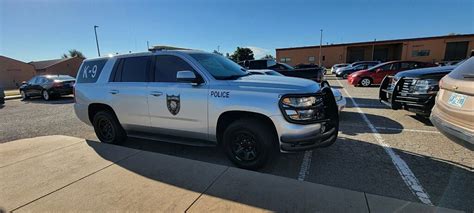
<point>162,48</point>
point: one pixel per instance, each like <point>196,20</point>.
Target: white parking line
<point>305,165</point>
<point>408,130</point>
<point>402,167</point>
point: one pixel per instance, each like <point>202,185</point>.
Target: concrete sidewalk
<point>61,173</point>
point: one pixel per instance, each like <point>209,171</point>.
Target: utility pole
<point>320,47</point>
<point>96,39</point>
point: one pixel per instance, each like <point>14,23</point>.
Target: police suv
<point>204,99</point>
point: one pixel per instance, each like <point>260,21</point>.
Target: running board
<point>172,139</point>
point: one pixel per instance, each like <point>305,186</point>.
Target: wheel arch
<point>94,108</point>
<point>226,118</point>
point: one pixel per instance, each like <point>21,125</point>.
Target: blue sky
<point>44,29</point>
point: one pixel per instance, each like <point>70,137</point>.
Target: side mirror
<point>379,70</point>
<point>187,77</point>
<point>24,82</point>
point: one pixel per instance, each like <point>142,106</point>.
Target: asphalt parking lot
<point>379,151</point>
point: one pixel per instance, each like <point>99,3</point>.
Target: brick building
<point>65,66</point>
<point>427,49</point>
<point>13,72</point>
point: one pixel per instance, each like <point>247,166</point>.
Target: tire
<point>345,76</point>
<point>45,94</point>
<point>248,143</point>
<point>24,96</point>
<point>107,128</point>
<point>365,82</point>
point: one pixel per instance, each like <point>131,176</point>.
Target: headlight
<point>425,86</point>
<point>303,108</point>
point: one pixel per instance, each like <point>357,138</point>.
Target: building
<point>64,66</point>
<point>428,49</point>
<point>13,72</point>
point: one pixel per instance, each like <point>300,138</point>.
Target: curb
<point>12,97</point>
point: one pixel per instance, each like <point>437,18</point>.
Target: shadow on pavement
<point>350,164</point>
<point>350,124</point>
<point>58,100</point>
<point>426,121</point>
<point>366,103</point>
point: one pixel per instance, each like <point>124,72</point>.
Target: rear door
<point>127,91</point>
<point>28,87</point>
<point>176,108</point>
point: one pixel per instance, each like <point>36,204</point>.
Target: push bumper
<point>399,96</point>
<point>453,132</point>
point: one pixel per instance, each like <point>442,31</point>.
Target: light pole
<point>96,40</point>
<point>320,47</point>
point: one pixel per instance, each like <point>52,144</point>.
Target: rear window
<point>464,71</point>
<point>90,71</point>
<point>61,77</point>
<point>131,69</point>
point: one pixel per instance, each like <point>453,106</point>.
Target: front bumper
<point>353,80</point>
<point>453,132</point>
<point>399,97</point>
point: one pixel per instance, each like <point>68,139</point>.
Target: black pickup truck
<point>313,73</point>
<point>413,90</point>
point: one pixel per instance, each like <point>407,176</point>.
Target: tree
<point>73,53</point>
<point>268,57</point>
<point>242,54</point>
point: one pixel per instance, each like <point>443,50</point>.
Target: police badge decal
<point>172,101</point>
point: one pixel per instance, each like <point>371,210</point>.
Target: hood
<point>426,72</point>
<point>276,84</point>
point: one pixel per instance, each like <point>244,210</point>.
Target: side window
<point>39,80</point>
<point>408,65</point>
<point>32,81</point>
<point>90,71</point>
<point>166,67</point>
<point>134,69</point>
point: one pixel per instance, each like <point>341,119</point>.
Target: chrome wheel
<point>365,82</point>
<point>23,95</point>
<point>45,95</point>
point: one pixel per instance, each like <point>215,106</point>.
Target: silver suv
<point>197,98</point>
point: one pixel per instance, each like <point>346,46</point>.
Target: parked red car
<point>376,74</point>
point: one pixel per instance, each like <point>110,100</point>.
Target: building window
<point>285,60</point>
<point>311,59</point>
<point>324,57</point>
<point>417,53</point>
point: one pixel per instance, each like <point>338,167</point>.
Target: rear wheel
<point>248,143</point>
<point>365,82</point>
<point>107,128</point>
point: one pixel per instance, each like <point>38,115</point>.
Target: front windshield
<point>219,67</point>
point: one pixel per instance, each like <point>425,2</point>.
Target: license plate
<point>457,100</point>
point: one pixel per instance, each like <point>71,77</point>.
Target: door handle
<point>114,92</point>
<point>156,93</point>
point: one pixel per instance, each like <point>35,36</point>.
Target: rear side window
<point>132,69</point>
<point>166,67</point>
<point>90,71</point>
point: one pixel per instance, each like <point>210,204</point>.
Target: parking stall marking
<point>408,130</point>
<point>305,165</point>
<point>402,167</point>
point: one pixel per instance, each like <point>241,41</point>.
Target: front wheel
<point>248,143</point>
<point>107,128</point>
<point>345,76</point>
<point>23,95</point>
<point>46,96</point>
<point>365,82</point>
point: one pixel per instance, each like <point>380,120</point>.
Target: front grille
<point>407,85</point>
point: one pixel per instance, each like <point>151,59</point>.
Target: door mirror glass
<point>186,76</point>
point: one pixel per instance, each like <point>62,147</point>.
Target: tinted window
<point>134,69</point>
<point>39,80</point>
<point>32,81</point>
<point>166,67</point>
<point>90,71</point>
<point>408,65</point>
<point>220,67</point>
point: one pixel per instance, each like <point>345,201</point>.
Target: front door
<point>389,69</point>
<point>177,109</point>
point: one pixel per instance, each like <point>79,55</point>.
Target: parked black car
<point>354,67</point>
<point>2,95</point>
<point>413,90</point>
<point>305,66</point>
<point>313,73</point>
<point>47,86</point>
